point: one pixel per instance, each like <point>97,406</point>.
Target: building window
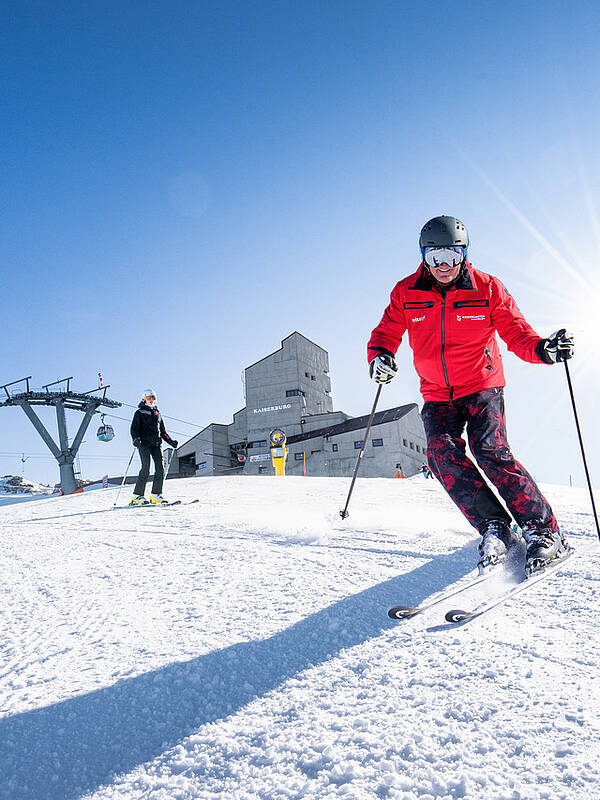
<point>201,465</point>
<point>307,374</point>
<point>377,442</point>
<point>294,393</point>
<point>334,448</point>
<point>299,456</point>
<point>358,445</point>
<point>412,446</point>
<point>312,452</point>
<point>261,443</point>
<point>404,442</point>
<point>418,449</point>
<point>312,377</point>
<point>262,468</point>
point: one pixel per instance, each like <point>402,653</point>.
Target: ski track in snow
<point>239,648</point>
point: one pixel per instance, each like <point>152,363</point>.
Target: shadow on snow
<point>75,746</point>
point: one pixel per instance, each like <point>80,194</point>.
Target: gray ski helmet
<point>441,231</point>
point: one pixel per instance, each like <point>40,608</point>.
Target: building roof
<point>355,424</point>
<point>294,333</point>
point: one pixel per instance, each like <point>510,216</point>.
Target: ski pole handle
<point>344,512</point>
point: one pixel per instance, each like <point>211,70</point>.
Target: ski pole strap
<point>344,513</point>
<point>585,466</point>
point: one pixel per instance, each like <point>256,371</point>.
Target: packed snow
<point>239,648</point>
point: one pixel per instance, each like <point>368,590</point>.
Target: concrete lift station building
<point>291,389</point>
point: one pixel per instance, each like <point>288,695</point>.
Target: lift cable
<point>166,416</point>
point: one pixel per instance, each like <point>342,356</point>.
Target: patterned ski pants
<point>482,413</point>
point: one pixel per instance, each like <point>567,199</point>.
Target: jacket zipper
<point>443,343</point>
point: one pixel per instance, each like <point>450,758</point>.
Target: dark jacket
<point>148,426</point>
<point>453,333</point>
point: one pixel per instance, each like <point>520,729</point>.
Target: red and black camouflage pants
<point>482,413</point>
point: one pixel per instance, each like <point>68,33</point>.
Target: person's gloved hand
<point>174,444</point>
<point>383,368</point>
<point>560,346</point>
<point>137,442</point>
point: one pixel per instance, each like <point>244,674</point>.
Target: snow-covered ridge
<point>239,649</point>
<point>15,484</point>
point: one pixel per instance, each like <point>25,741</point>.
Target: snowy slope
<point>240,648</point>
<point>16,485</point>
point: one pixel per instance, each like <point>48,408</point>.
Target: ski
<point>160,505</point>
<point>459,616</point>
<point>406,612</point>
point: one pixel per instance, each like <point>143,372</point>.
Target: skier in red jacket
<point>452,312</point>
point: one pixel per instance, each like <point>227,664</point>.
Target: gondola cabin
<point>106,433</point>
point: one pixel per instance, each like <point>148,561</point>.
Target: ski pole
<point>344,513</point>
<point>585,466</point>
<point>124,477</point>
<point>168,461</point>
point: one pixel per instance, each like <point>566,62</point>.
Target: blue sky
<point>185,184</point>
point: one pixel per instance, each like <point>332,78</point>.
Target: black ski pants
<point>482,414</point>
<point>147,452</point>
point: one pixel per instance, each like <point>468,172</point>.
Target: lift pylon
<point>62,399</point>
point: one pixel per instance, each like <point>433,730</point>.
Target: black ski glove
<point>137,441</point>
<point>383,368</point>
<point>174,444</point>
<point>560,346</point>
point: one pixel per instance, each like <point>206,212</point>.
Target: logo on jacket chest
<point>416,306</point>
<point>470,305</point>
<point>460,317</point>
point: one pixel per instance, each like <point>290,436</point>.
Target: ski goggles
<point>453,256</point>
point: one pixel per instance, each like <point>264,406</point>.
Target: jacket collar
<point>425,283</point>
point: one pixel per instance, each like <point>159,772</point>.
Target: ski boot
<point>139,500</point>
<point>543,546</point>
<point>158,500</point>
<point>496,539</point>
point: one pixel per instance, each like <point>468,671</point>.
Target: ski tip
<point>457,615</point>
<point>402,612</point>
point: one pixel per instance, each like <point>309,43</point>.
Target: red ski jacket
<point>453,333</point>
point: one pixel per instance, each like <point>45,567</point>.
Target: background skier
<point>147,431</point>
<point>452,313</point>
<point>426,472</point>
